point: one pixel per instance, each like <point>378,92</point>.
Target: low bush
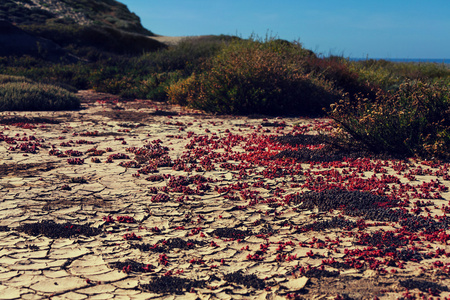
<point>411,121</point>
<point>336,69</point>
<point>250,77</point>
<point>9,78</point>
<point>21,94</point>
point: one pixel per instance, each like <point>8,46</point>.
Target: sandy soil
<point>173,40</point>
<point>168,40</point>
<point>141,200</point>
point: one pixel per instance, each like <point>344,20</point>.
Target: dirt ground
<point>143,200</point>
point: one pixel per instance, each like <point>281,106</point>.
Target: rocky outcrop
<point>52,29</point>
<point>108,13</point>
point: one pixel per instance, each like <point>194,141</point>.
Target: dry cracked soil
<point>141,200</point>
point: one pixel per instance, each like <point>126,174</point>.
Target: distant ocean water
<point>415,60</point>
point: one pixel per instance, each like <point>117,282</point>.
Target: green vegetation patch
<point>389,75</point>
<point>18,93</point>
<point>11,79</point>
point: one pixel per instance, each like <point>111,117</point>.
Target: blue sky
<point>377,29</point>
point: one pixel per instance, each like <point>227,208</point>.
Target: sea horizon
<point>414,60</point>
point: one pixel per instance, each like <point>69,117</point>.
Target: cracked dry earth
<point>136,200</point>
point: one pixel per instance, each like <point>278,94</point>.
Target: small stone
<point>295,284</point>
<point>370,273</point>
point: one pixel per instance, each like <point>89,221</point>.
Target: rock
<point>295,284</point>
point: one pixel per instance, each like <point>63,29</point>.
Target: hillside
<point>15,40</point>
<point>88,29</point>
<point>83,12</point>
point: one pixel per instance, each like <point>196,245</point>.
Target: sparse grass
<point>186,56</point>
<point>18,93</point>
<point>390,75</point>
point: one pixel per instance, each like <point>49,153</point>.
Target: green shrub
<point>154,87</point>
<point>250,77</point>
<point>412,121</point>
<point>25,95</point>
